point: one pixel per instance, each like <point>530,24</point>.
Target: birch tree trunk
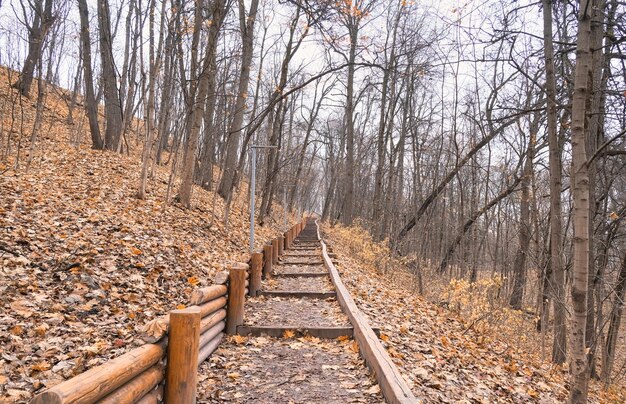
<point>559,346</point>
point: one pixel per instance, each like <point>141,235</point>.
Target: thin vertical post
<point>252,193</point>
<point>284,207</point>
<point>275,251</point>
<point>236,297</point>
<point>182,356</point>
<point>256,267</point>
<point>267,254</point>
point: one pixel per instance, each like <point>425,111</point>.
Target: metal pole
<point>285,208</point>
<point>252,192</point>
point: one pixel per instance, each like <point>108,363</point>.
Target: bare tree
<point>37,33</point>
<point>91,105</point>
<point>112,102</point>
<point>580,187</point>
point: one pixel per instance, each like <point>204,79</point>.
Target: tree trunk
<point>347,211</point>
<point>112,103</point>
<point>580,194</point>
<point>519,266</point>
<point>614,324</point>
<point>246,25</point>
<point>199,101</point>
<point>90,99</point>
<point>559,347</point>
<point>42,22</point>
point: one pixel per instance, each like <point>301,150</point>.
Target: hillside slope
<point>446,358</point>
<point>84,264</point>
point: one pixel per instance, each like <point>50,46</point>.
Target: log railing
<point>165,371</point>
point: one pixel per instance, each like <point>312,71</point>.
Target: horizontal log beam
<point>210,320</point>
<point>137,387</point>
<point>212,306</point>
<point>203,295</point>
<point>209,334</point>
<point>96,383</point>
<point>153,397</point>
<point>209,348</point>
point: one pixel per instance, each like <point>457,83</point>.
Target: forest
<point>477,147</point>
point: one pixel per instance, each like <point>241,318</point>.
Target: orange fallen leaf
<point>41,366</point>
<point>239,339</point>
<point>135,251</point>
<point>193,280</point>
<point>354,347</point>
<point>445,341</point>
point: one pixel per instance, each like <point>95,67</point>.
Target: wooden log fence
<point>166,370</point>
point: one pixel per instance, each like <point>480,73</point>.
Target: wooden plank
<point>301,274</point>
<point>300,255</point>
<point>392,385</point>
<point>302,262</point>
<point>278,332</point>
<point>182,356</point>
<point>96,383</point>
<point>137,387</point>
<point>296,294</point>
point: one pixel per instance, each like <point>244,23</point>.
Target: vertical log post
<point>275,251</point>
<point>256,269</point>
<point>236,297</point>
<point>182,356</point>
<point>286,238</point>
<point>267,257</point>
<point>281,245</point>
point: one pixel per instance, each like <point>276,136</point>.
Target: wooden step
<point>297,294</point>
<point>301,274</point>
<point>300,255</point>
<point>319,332</point>
<point>278,332</point>
<point>301,262</point>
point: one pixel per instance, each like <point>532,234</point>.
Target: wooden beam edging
<point>392,385</point>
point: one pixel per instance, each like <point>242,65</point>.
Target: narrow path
<point>296,344</point>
